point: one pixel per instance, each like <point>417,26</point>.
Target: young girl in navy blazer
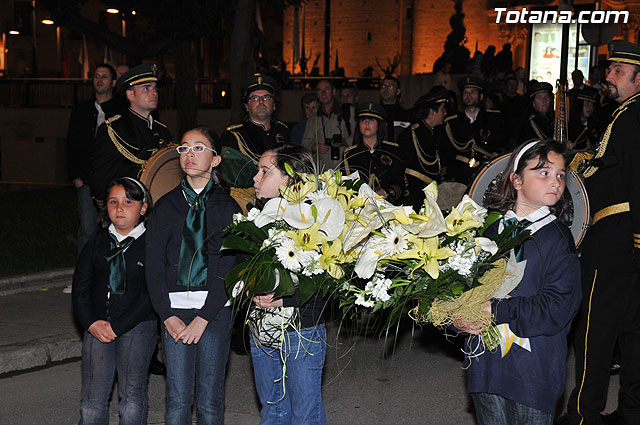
<point>522,381</point>
<point>111,303</point>
<point>185,277</point>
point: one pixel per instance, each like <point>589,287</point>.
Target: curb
<point>39,353</point>
<point>36,281</point>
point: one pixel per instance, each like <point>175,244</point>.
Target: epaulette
<point>532,116</point>
<point>282,124</point>
<point>158,122</point>
<point>414,126</point>
<point>350,148</point>
<point>493,111</point>
<point>452,117</point>
<point>233,127</point>
<point>112,119</point>
<point>385,142</point>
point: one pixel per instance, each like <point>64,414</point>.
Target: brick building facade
<point>415,30</point>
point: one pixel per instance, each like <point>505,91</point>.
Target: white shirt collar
<point>135,233</point>
<point>538,218</point>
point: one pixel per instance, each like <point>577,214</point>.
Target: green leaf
<point>314,212</point>
<point>234,275</point>
<point>250,228</point>
<point>289,170</point>
<point>285,287</point>
<point>239,243</point>
<point>492,217</point>
<point>307,287</point>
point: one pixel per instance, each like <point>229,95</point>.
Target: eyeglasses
<point>265,98</point>
<point>184,149</point>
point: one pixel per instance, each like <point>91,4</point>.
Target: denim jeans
<point>87,215</point>
<point>297,400</point>
<point>492,409</point>
<point>129,355</point>
<point>200,365</point>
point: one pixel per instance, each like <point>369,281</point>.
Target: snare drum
<point>162,172</point>
<point>576,215</point>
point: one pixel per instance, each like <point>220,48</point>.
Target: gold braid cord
<point>607,134</point>
<point>459,146</point>
<point>114,138</point>
<point>244,149</point>
<point>422,156</point>
<point>536,129</point>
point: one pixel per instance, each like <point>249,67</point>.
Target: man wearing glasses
<point>398,118</point>
<point>126,141</point>
<point>258,132</point>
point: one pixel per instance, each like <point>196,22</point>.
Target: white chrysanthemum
<point>395,240</point>
<point>378,287</point>
<point>238,217</point>
<point>360,300</point>
<point>464,259</point>
<point>275,237</point>
<point>288,255</point>
<point>317,195</point>
<point>252,214</point>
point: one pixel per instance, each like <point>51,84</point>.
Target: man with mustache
<point>610,259</point>
<point>259,131</point>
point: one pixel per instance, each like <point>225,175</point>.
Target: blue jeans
<point>297,400</point>
<point>492,409</point>
<point>200,365</point>
<point>87,215</point>
<point>129,355</point>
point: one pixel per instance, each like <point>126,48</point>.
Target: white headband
<point>522,151</point>
<point>141,186</point>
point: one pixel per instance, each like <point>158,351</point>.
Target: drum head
<point>162,172</point>
<point>576,215</point>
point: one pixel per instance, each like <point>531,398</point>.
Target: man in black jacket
<point>128,140</point>
<point>85,119</point>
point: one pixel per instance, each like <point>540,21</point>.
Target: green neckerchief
<point>117,264</point>
<point>192,264</point>
<point>522,225</point>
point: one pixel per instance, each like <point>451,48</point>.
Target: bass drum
<point>162,173</point>
<point>576,215</point>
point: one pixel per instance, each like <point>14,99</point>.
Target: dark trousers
<point>610,310</point>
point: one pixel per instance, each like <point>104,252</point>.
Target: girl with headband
<point>111,303</point>
<point>522,381</point>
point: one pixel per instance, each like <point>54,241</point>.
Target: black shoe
<point>156,367</point>
<point>614,369</point>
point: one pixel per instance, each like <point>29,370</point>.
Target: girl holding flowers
<point>521,382</point>
<point>288,345</point>
<point>185,276</point>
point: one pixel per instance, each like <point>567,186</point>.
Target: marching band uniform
<point>610,308</point>
<point>125,142</point>
<point>538,126</point>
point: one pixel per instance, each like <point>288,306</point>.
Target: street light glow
<point>133,12</point>
<point>14,32</point>
<point>113,10</point>
<point>47,22</point>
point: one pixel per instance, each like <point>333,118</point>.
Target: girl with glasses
<point>185,276</point>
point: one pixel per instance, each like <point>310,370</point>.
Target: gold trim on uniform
<point>385,142</point>
<point>386,160</point>
<point>233,127</point>
<point>459,146</point>
<point>418,175</point>
<point>535,127</point>
<point>605,139</point>
<point>610,210</point>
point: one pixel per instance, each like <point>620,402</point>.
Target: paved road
<point>421,382</point>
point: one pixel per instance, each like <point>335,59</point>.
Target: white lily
<point>298,216</point>
<point>486,244</point>
<point>368,257</point>
<point>273,210</point>
<point>332,217</point>
<point>467,204</point>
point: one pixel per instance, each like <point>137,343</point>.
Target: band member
<point>539,125</point>
<point>473,135</point>
<point>585,129</point>
<point>375,158</point>
<point>418,144</point>
<point>610,260</point>
<point>259,131</point>
<point>127,141</point>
